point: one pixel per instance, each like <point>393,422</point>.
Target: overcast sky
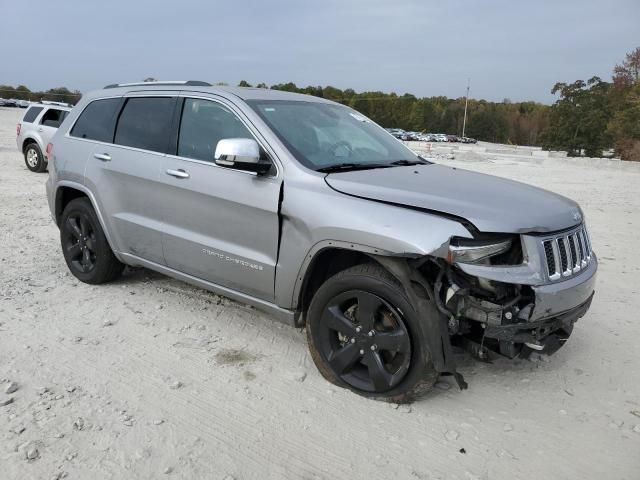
<point>509,48</point>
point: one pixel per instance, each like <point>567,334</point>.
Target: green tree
<point>624,126</point>
<point>61,94</point>
<point>22,93</point>
<point>244,83</point>
<point>7,91</point>
<point>579,118</point>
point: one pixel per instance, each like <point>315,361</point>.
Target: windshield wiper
<point>406,163</point>
<point>342,167</point>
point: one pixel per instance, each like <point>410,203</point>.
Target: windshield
<point>323,135</point>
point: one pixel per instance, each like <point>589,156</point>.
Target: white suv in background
<point>34,132</point>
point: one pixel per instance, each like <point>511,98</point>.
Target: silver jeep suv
<point>308,210</point>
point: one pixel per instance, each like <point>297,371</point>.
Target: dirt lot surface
<point>151,378</point>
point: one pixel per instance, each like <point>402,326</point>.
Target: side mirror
<point>241,154</point>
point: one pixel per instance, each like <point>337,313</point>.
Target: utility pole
<point>466,102</point>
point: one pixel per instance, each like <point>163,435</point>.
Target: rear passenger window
<point>204,124</point>
<point>146,123</point>
<point>52,118</point>
<point>97,120</point>
<point>31,114</point>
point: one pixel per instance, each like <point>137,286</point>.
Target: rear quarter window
<point>53,117</point>
<point>31,114</point>
<point>97,120</point>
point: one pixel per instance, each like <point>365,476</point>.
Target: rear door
<point>126,174</point>
<point>221,224</point>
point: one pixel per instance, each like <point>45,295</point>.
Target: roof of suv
<point>57,106</point>
<point>245,93</point>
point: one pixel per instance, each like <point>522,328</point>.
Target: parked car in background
<point>8,102</point>
<point>307,209</point>
<point>35,130</point>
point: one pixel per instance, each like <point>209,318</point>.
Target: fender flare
<point>94,204</point>
<point>319,247</point>
<point>31,139</point>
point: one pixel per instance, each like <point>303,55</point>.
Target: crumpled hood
<point>492,204</point>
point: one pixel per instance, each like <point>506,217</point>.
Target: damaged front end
<point>500,294</point>
<point>503,294</point>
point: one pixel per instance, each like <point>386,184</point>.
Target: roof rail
<point>60,104</point>
<point>188,83</point>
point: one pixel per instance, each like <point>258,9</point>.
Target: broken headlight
<point>462,250</point>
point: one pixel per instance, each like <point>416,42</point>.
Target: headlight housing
<point>462,250</point>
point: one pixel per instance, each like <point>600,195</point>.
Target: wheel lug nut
<point>374,347</point>
<point>371,333</point>
<point>353,340</point>
<point>358,329</point>
<point>361,352</point>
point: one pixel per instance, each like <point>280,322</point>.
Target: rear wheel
<point>34,159</point>
<point>84,245</point>
<point>363,335</point>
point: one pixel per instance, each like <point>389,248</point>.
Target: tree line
<point>587,118</point>
<point>593,115</point>
<point>501,122</point>
<point>60,94</point>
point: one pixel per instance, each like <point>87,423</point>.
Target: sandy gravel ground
<point>151,378</point>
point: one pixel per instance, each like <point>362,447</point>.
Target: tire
<point>84,246</point>
<point>34,159</point>
<point>387,362</point>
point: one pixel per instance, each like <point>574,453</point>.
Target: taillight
<point>18,127</point>
<point>48,150</point>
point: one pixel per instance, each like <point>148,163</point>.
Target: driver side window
<point>203,124</point>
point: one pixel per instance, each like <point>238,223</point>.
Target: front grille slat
<point>583,251</point>
<point>566,254</point>
<point>550,257</point>
<point>564,258</point>
<point>572,249</point>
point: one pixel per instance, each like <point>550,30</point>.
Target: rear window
<point>31,114</point>
<point>97,120</point>
<point>53,117</point>
<point>146,123</point>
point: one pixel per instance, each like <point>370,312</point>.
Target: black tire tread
<point>429,375</point>
<point>109,267</point>
<point>42,166</point>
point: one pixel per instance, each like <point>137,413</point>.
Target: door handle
<point>105,157</point>
<point>178,173</point>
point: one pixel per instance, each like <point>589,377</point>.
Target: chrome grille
<point>567,253</point>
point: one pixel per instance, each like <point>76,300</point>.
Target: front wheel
<point>34,159</point>
<point>364,335</point>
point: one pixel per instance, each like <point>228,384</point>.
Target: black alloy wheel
<point>365,341</point>
<point>79,242</point>
<point>85,246</point>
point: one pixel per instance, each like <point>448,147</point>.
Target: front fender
<point>315,217</point>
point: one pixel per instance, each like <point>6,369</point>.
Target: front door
<point>221,225</point>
